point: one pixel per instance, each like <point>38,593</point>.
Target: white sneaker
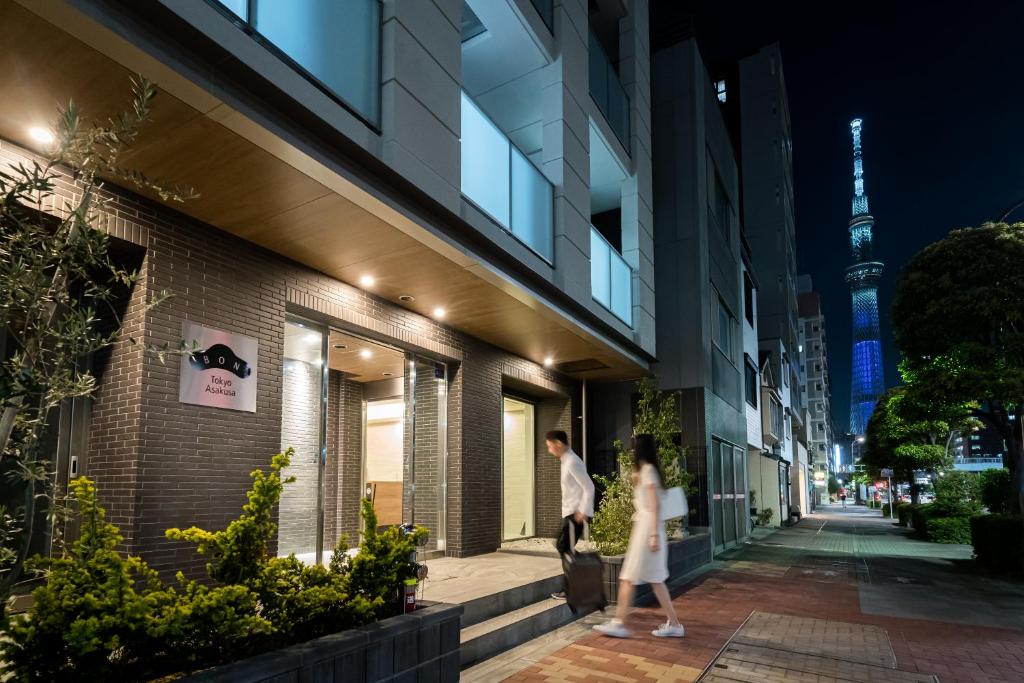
<point>614,629</point>
<point>667,630</point>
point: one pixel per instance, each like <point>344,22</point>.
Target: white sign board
<point>222,374</point>
<point>886,473</point>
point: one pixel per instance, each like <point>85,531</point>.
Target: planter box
<point>422,646</point>
<point>684,556</point>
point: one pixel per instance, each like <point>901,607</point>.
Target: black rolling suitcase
<point>585,580</point>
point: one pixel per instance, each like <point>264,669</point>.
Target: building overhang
<point>309,202</point>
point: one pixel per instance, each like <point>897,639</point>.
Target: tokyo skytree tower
<point>867,381</point>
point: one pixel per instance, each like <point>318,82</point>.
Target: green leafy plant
<point>833,485</point>
<point>957,325</point>
<point>386,560</point>
<point>99,614</point>
<point>903,511</point>
<point>657,414</point>
<point>949,530</point>
<point>764,517</point>
<point>58,290</point>
<point>957,494</point>
<point>996,490</point>
<point>239,552</point>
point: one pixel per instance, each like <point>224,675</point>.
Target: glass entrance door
<point>366,420</point>
<point>518,455</point>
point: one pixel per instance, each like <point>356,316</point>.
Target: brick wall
<point>160,463</point>
<point>551,413</point>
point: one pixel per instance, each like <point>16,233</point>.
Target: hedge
<point>919,516</point>
<point>903,511</point>
<point>999,542</point>
<point>949,530</point>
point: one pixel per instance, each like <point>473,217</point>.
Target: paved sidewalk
<point>849,571</point>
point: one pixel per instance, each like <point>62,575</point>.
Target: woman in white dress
<point>646,558</point>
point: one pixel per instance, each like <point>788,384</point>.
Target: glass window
<point>721,208</point>
<point>338,43</point>
<point>485,162</point>
<point>750,377</point>
<point>532,206</point>
<point>748,298</point>
<point>239,8</point>
<point>723,329</point>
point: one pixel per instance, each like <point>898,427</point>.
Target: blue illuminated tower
<point>867,382</point>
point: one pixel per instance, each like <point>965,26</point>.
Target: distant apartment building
<point>759,118</point>
<point>426,226</point>
<point>702,300</point>
<point>817,387</point>
<point>977,450</point>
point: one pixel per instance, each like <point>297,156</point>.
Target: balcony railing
<point>611,278</point>
<point>336,45</point>
<point>504,184</point>
<point>607,92</point>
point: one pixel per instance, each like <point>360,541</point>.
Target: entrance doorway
<point>366,420</point>
<point>518,455</point>
<point>729,493</point>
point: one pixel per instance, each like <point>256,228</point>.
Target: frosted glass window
<point>485,163</point>
<point>238,7</point>
<point>531,206</point>
<point>622,288</point>
<point>600,277</point>
<point>338,43</point>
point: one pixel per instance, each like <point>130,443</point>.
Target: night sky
<point>940,87</point>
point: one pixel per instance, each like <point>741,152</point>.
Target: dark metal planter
<point>684,556</point>
<point>422,646</point>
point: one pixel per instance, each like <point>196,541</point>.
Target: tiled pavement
<point>815,570</point>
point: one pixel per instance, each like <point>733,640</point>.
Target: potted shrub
<point>101,615</point>
<point>656,415</point>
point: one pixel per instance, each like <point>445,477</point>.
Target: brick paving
<point>813,571</point>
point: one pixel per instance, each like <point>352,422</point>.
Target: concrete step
<point>485,639</point>
<point>487,607</point>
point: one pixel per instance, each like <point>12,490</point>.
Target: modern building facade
<point>426,228</point>
<point>977,450</point>
<point>700,285</point>
<point>767,470</point>
<point>817,387</point>
<point>867,381</point>
<point>766,149</point>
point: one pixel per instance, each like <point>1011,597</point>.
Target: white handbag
<point>673,504</point>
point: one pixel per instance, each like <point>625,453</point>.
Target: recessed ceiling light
<point>549,361</point>
<point>367,281</point>
<point>41,135</point>
<point>439,312</point>
<point>405,298</point>
<point>340,346</point>
<point>366,353</point>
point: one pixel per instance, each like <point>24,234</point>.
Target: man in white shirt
<point>577,493</point>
